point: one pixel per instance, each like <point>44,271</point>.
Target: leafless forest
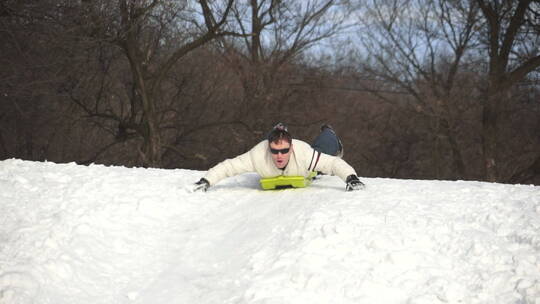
<point>423,89</point>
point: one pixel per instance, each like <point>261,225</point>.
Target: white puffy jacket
<point>303,160</point>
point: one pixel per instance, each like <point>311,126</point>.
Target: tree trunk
<point>436,151</point>
<point>151,151</point>
<point>458,164</point>
<point>151,134</point>
<point>489,135</point>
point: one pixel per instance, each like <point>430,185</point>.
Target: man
<point>281,155</point>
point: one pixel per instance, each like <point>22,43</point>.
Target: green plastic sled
<point>281,182</point>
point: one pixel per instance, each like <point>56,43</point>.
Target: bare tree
<point>31,70</point>
<point>418,47</point>
<point>276,33</point>
<point>152,36</point>
<point>513,45</point>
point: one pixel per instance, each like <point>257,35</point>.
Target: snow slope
<point>77,234</point>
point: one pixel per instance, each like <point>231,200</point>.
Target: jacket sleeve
<point>231,167</point>
<point>332,165</point>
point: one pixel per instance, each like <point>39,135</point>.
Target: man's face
<point>280,159</point>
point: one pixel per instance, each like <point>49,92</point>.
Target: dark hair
<point>277,135</point>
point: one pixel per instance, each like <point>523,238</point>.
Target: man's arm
<point>331,165</point>
<point>334,165</point>
<point>230,167</point>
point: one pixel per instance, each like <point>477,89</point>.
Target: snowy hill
<point>76,234</point>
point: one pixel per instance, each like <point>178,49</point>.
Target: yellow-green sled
<point>281,182</point>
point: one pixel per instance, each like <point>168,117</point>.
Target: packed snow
<point>96,234</point>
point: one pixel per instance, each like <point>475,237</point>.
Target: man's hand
<point>353,183</point>
<point>201,185</point>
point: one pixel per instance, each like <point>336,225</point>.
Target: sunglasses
<point>282,151</point>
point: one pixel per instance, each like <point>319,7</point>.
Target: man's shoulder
<point>263,143</point>
<point>301,146</point>
<point>260,147</point>
<point>300,142</point>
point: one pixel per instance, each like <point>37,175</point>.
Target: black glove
<point>201,185</point>
<point>353,183</point>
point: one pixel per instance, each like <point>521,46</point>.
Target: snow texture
<point>96,234</point>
